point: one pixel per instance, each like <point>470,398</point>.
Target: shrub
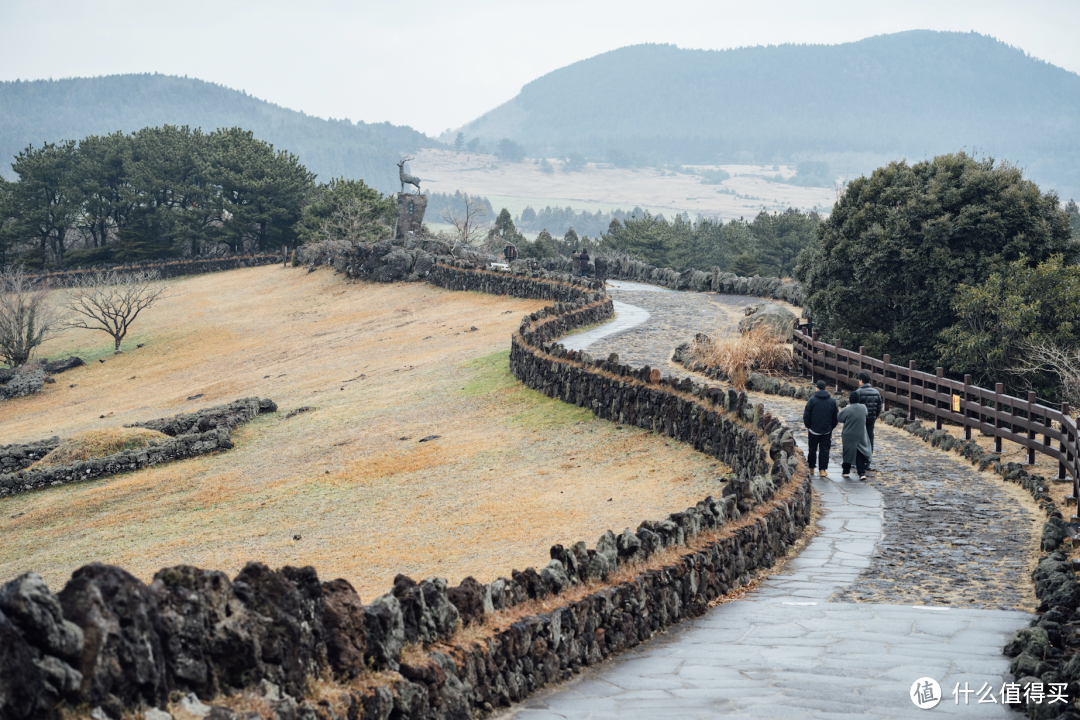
<point>758,350</point>
<point>100,443</point>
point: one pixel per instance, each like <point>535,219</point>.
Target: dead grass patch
<point>100,443</point>
<point>758,350</point>
<point>381,363</point>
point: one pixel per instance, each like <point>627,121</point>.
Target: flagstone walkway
<point>921,572</point>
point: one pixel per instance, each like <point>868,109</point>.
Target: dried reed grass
<point>100,443</point>
<point>758,350</point>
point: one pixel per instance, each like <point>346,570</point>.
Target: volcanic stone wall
<point>16,457</point>
<point>193,434</point>
<point>175,268</point>
<point>537,285</point>
<point>109,641</point>
<point>624,267</point>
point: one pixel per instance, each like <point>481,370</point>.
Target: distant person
<point>819,419</point>
<point>867,395</point>
<point>510,252</point>
<point>583,258</point>
<point>857,450</point>
<point>575,260</point>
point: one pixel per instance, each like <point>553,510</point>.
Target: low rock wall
<point>623,267</point>
<point>109,641</point>
<point>173,268</point>
<point>194,434</point>
<point>537,285</point>
<point>17,457</point>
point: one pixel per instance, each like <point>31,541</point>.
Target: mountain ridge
<point>40,111</point>
<point>913,94</point>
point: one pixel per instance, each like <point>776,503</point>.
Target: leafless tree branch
<point>468,222</point>
<point>27,316</point>
<point>1062,362</point>
<point>111,301</point>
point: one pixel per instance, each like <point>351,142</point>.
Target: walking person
<point>856,442</point>
<point>819,418</point>
<point>868,396</point>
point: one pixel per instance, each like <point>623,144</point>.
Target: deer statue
<point>406,177</point>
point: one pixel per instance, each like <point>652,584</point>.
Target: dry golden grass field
<point>515,185</point>
<point>512,472</point>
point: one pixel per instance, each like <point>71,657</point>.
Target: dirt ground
<point>510,473</point>
<point>515,185</point>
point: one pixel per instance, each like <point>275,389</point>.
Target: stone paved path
<point>928,548</point>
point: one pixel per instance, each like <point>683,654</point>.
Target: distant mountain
<point>40,111</point>
<point>913,94</point>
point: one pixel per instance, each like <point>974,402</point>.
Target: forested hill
<point>912,94</point>
<point>41,111</point>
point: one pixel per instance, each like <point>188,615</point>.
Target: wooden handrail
<point>1005,417</point>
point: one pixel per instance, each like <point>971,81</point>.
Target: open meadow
<point>511,471</point>
<point>515,185</point>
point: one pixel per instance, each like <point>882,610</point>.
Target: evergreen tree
<point>744,264</point>
<point>647,237</point>
<point>504,230</point>
<point>44,202</point>
<point>545,246</point>
<point>459,142</point>
<point>329,199</point>
<point>1073,211</point>
<point>998,321</point>
<point>899,243</point>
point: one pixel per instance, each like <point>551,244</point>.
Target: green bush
<point>888,261</point>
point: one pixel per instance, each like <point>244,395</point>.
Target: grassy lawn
<point>511,473</point>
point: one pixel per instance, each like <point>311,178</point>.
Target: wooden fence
<point>1023,421</point>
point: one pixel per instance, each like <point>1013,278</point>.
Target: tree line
<point>165,192</point>
<point>769,244</point>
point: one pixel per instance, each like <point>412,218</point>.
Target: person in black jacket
<point>819,417</point>
<point>867,395</point>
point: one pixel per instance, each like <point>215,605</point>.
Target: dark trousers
<point>819,451</point>
<point>861,463</point>
<point>870,430</point>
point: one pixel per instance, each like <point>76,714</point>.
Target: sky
<point>437,65</point>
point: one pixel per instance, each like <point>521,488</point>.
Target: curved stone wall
<point>109,641</point>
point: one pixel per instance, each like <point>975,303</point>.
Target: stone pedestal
<point>410,215</point>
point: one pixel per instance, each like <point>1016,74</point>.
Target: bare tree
<point>1046,357</point>
<point>468,222</point>
<point>27,318</point>
<point>353,221</point>
<point>110,301</point>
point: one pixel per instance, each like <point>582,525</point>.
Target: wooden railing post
<point>998,390</point>
<point>911,390</point>
<point>862,353</point>
<point>813,358</point>
<point>884,381</point>
<point>940,373</point>
<point>963,402</point>
<point>1061,444</point>
<point>1030,428</point>
<point>839,345</point>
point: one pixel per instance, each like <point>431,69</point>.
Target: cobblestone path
<point>918,573</point>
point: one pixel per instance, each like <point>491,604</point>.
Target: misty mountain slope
<point>911,94</point>
<point>41,111</point>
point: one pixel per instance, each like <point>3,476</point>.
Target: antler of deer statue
<point>406,177</point>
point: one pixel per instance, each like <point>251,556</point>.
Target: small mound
<point>99,444</point>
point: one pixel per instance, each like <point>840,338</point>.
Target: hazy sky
<point>436,65</point>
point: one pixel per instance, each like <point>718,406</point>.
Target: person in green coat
<point>857,450</point>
